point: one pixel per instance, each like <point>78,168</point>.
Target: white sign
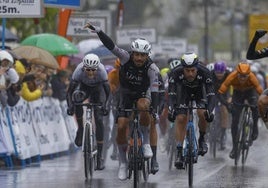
<point>173,46</point>
<point>21,8</point>
<point>126,36</point>
<point>77,21</point>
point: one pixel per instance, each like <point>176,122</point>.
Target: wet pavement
<point>67,171</point>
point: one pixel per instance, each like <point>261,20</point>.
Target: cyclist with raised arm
<point>219,74</point>
<point>253,54</point>
<point>245,87</point>
<point>188,81</point>
<point>138,78</point>
<point>89,81</point>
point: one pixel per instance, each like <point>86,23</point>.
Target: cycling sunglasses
<point>90,69</point>
<point>243,75</point>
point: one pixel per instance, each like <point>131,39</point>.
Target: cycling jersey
<point>232,79</point>
<point>180,90</point>
<point>135,82</point>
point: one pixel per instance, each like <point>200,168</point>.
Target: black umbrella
<point>9,36</point>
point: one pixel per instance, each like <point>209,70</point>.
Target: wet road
<point>67,171</point>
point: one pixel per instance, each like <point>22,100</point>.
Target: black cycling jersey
<point>180,90</point>
<point>135,78</point>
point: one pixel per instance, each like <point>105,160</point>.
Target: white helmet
<point>91,61</point>
<point>6,55</point>
<point>189,60</point>
<point>210,66</point>
<point>141,45</point>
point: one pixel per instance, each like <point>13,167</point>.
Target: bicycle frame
<point>89,144</point>
<point>136,160</point>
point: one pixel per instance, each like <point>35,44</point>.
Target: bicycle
<point>136,160</point>
<point>89,144</point>
<point>190,145</point>
<point>244,131</point>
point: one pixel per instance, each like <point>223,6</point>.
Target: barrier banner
<point>42,129</point>
<point>3,144</point>
<point>7,138</point>
<point>55,121</point>
<point>23,120</point>
<point>70,121</point>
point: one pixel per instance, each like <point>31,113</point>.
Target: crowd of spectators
<point>21,78</point>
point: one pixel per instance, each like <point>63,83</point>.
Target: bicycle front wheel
<point>190,157</point>
<point>239,137</point>
<point>135,159</point>
<point>88,158</point>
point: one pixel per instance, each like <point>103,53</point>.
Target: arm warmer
<point>106,40</point>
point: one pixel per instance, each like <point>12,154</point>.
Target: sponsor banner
<point>56,123</point>
<point>23,119</point>
<point>6,131</point>
<point>42,129</point>
<point>70,122</point>
<point>3,142</point>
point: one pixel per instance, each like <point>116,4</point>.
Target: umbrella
<point>37,55</point>
<point>102,52</point>
<point>55,44</point>
<point>89,44</point>
<point>9,36</point>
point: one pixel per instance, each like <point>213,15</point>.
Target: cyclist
<point>89,80</point>
<point>219,74</point>
<point>252,53</point>
<point>245,87</point>
<point>190,80</point>
<point>138,78</point>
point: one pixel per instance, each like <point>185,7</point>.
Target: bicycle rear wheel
<point>190,157</point>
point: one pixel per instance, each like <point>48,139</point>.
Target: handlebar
<point>89,105</point>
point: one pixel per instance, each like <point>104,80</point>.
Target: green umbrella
<point>55,44</point>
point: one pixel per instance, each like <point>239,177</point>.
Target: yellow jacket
<point>28,95</point>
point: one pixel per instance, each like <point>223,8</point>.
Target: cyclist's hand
<point>94,29</point>
<point>208,116</point>
<point>70,110</point>
<point>260,33</point>
<point>171,114</point>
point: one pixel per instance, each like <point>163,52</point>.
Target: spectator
<point>59,85</point>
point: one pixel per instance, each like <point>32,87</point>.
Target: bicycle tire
<point>239,137</point>
<point>247,136</point>
<point>135,159</point>
<point>88,161</point>
<point>145,169</point>
<point>190,156</point>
